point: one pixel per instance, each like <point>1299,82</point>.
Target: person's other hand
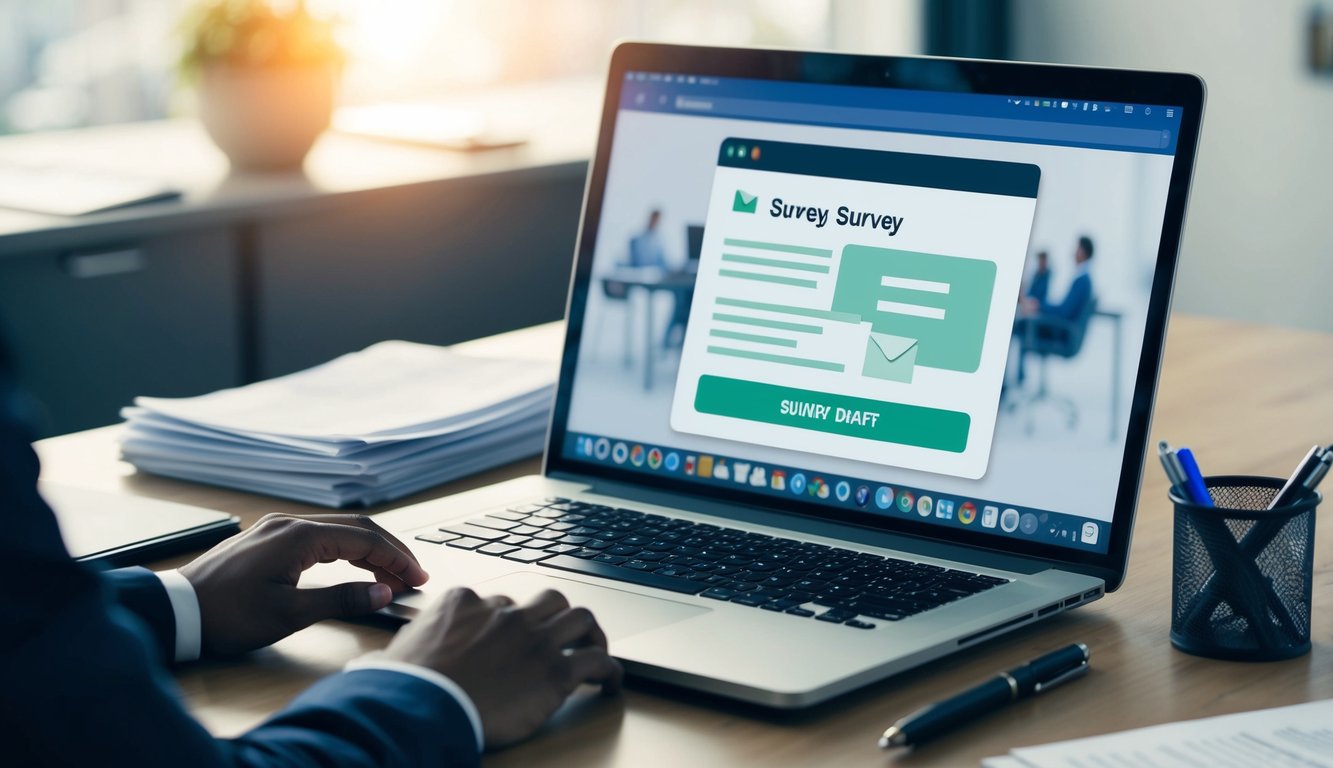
<point>246,585</point>
<point>518,664</point>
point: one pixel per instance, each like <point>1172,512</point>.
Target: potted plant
<point>266,71</point>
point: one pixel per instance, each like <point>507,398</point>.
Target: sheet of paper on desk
<point>1300,735</point>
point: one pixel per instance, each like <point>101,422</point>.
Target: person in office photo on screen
<point>85,654</point>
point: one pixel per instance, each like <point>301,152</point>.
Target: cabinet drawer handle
<point>105,263</point>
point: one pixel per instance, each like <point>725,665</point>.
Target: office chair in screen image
<point>1045,337</point>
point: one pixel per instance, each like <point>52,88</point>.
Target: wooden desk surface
<point>1249,399</point>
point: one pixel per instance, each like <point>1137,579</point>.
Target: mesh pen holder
<point>1241,574</point>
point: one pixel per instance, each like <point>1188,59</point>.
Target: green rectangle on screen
<point>942,301</point>
<point>899,423</point>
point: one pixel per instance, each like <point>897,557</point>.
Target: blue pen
<point>1194,484</point>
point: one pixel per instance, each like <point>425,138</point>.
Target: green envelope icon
<point>890,357</point>
<point>744,202</point>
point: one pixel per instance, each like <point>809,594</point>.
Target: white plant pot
<point>266,119</point>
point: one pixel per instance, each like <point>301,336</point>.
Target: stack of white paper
<point>365,428</point>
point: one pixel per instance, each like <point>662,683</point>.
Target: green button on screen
<point>836,414</point>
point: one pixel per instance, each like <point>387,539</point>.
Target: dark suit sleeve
<point>83,681</point>
<point>140,591</point>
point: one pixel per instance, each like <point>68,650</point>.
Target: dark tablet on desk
<point>115,530</point>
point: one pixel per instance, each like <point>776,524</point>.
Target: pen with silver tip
<point>1037,676</point>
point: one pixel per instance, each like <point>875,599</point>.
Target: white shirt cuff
<point>185,605</point>
<point>374,661</point>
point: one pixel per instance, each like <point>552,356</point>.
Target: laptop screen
<point>907,304</point>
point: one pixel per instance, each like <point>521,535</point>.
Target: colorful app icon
<point>620,453</point>
<point>944,509</point>
<point>705,466</point>
<point>636,455</point>
<point>601,449</point>
<point>777,480</point>
<point>989,516</point>
<point>862,496</point>
<point>843,490</point>
<point>884,497</point>
<point>924,506</point>
<point>740,471</point>
<point>1089,533</point>
<point>967,512</point>
<point>721,471</point>
<point>798,483</point>
<point>654,458</point>
<point>906,501</point>
<point>758,477</point>
<point>690,463</point>
<point>1009,520</point>
<point>671,461</point>
<point>818,488</point>
<point>1028,523</point>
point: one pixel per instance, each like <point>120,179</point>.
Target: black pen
<point>1295,485</point>
<point>1039,675</point>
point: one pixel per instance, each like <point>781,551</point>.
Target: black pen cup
<point>1241,573</point>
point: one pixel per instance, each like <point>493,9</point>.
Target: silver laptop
<point>860,361</point>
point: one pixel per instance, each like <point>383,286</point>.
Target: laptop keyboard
<point>798,578</point>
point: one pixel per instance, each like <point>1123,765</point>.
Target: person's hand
<point>517,664</point>
<point>246,585</point>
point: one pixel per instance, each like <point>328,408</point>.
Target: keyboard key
<point>858,624</point>
<point>610,559</point>
<point>517,541</point>
<point>493,523</point>
<point>752,600</point>
<point>436,537</point>
<point>524,530</point>
<point>474,532</point>
<point>497,548</point>
<point>465,542</point>
<point>836,616</point>
<point>526,555</point>
<point>516,517</point>
<point>562,549</point>
<point>798,611</point>
<point>616,573</point>
<point>718,593</point>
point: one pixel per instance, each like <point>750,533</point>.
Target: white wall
<point>1258,241</point>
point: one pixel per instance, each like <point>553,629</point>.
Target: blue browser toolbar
<point>1025,118</point>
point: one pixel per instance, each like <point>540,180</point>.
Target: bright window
<point>70,63</point>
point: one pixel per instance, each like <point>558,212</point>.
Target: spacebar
<point>644,578</point>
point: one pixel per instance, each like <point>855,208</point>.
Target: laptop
<point>839,476</point>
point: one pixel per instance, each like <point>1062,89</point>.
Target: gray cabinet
<point>437,263</point>
<point>93,325</point>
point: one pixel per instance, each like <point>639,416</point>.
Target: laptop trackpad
<point>619,613</point>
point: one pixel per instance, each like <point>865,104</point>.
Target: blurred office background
<point>1256,246</point>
